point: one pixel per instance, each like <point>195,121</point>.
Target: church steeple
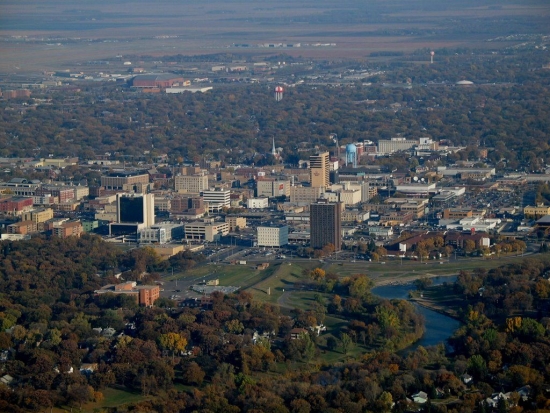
<point>273,150</point>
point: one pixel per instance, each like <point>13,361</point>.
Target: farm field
<point>66,35</point>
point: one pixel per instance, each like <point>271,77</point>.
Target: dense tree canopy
<point>506,109</point>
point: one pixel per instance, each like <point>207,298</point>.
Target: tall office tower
<point>319,170</point>
<point>325,224</point>
<point>136,209</point>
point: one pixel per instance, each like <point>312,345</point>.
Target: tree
<point>234,326</point>
<point>193,374</point>
<point>346,342</point>
<point>477,367</point>
<point>469,246</point>
<point>423,283</point>
<point>332,343</point>
<point>502,406</point>
<point>360,286</point>
<point>173,342</point>
<point>80,394</point>
<point>317,274</point>
<point>386,400</point>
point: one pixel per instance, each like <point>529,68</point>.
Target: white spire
<point>273,150</point>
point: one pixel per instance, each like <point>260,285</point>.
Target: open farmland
<point>63,34</point>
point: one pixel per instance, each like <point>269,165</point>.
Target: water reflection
<point>439,327</point>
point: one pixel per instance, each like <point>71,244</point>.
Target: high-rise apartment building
<point>319,170</point>
<point>325,224</point>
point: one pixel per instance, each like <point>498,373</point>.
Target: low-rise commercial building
<point>272,236</point>
<point>257,203</point>
<point>235,222</point>
<point>20,186</point>
<point>355,216</point>
<point>205,231</point>
<point>160,233</point>
<point>144,294</point>
<point>536,211</point>
<point>216,200</point>
<point>305,195</point>
<point>416,189</point>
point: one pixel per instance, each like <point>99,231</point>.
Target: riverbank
<point>438,325</point>
<point>406,279</point>
<point>433,306</point>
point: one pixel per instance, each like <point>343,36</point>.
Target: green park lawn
<point>113,397</point>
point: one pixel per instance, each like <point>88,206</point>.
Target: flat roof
<point>122,174</point>
<point>158,76</point>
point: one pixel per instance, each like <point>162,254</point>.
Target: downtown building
<point>133,212</point>
<point>274,236</point>
<point>319,170</point>
<point>191,183</point>
<point>325,224</point>
<point>217,199</point>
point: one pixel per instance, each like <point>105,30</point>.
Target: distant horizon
<point>62,34</point>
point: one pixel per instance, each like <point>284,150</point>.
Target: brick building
<point>157,80</point>
<point>144,294</point>
<point>62,194</point>
<point>15,205</point>
<point>22,228</point>
<point>67,229</point>
<point>121,179</point>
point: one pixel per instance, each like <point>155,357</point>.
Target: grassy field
<point>396,271</point>
<point>283,276</point>
<point>280,277</point>
<point>113,398</point>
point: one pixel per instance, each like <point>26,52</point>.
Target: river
<point>438,327</point>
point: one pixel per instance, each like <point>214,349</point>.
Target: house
<point>88,368</point>
<point>495,397</point>
<point>6,379</point>
<point>440,393</point>
<point>420,397</point>
<point>264,336</point>
<point>297,333</point>
<point>318,329</point>
<point>466,378</point>
<point>525,392</point>
<point>108,332</point>
<point>69,371</point>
